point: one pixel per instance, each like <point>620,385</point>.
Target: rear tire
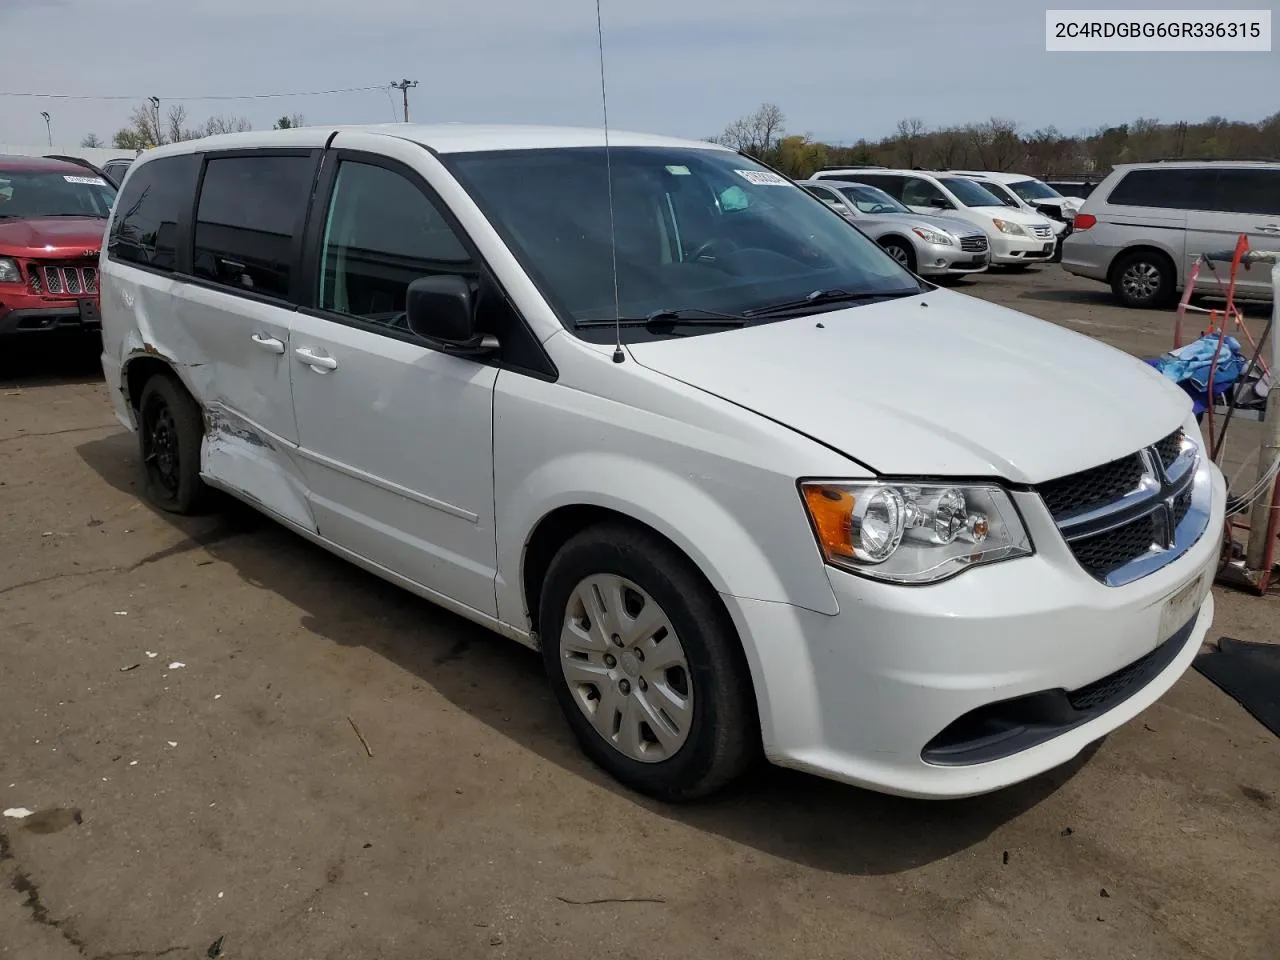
<point>646,664</point>
<point>1144,280</point>
<point>170,431</point>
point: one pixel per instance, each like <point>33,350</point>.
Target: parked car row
<point>750,485</point>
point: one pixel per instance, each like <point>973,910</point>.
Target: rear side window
<point>1173,189</point>
<point>889,184</point>
<point>145,228</point>
<point>1248,191</point>
<point>251,209</point>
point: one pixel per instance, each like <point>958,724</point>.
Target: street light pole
<point>403,86</point>
<point>47,128</point>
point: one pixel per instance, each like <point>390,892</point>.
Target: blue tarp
<point>1189,366</point>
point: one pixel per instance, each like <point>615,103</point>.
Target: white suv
<point>748,484</point>
<point>1017,238</point>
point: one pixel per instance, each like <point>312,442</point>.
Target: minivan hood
<point>935,385</point>
<point>52,236</point>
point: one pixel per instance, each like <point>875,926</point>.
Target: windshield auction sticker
<point>92,181</point>
<point>762,178</point>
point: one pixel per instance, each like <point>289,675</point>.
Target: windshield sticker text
<point>92,181</point>
<point>763,178</point>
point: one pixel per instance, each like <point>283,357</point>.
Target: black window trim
<point>538,363</point>
<point>186,253</point>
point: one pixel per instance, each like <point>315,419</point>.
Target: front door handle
<point>314,360</point>
<point>270,344</point>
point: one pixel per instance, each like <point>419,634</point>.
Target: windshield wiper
<point>834,295</point>
<point>665,319</point>
<point>84,216</point>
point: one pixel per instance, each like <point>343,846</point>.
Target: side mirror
<point>441,311</point>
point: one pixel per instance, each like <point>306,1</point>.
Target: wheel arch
<point>1152,248</point>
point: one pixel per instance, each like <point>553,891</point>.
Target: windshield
<point>1034,190</point>
<point>971,194</point>
<point>54,193</point>
<point>696,229</point>
<point>870,199</point>
<point>1001,192</point>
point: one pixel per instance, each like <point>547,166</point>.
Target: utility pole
<point>403,86</point>
<point>155,102</point>
<point>47,128</point>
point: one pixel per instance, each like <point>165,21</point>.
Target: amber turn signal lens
<point>832,511</point>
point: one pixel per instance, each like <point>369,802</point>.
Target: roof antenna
<point>618,355</point>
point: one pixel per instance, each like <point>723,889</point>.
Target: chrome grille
<point>1044,233</point>
<point>69,279</point>
<point>1125,519</point>
<point>976,244</point>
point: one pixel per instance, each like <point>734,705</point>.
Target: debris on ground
<point>177,665</point>
<point>1067,831</point>
<point>215,948</point>
<point>132,666</point>
<point>588,903</point>
<point>363,742</point>
<point>18,813</point>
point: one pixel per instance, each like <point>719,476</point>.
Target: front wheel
<point>646,664</point>
<point>901,251</point>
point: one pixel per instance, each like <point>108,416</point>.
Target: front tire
<point>170,430</point>
<point>646,664</point>
<point>1143,280</point>
<point>901,251</point>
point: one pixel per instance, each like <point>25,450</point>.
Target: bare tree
<point>175,123</point>
<point>226,124</point>
<point>910,132</point>
<point>92,140</point>
<point>996,143</point>
<point>290,121</point>
<point>758,134</point>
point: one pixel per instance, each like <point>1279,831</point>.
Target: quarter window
<point>381,234</point>
<point>145,228</point>
<point>251,208</point>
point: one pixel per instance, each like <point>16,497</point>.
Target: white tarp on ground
<point>95,155</point>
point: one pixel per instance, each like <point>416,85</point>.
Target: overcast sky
<point>840,69</point>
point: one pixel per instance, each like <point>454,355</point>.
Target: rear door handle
<point>1269,228</point>
<point>314,360</point>
<point>270,344</point>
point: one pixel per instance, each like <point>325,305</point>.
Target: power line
<point>237,96</point>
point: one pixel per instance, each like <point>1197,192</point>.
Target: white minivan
<point>749,485</point>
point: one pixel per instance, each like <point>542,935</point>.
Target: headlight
<point>9,272</point>
<point>1004,226</point>
<point>913,533</point>
<point>933,236</point>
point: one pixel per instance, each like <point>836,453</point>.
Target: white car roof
<point>995,175</point>
<point>443,138</point>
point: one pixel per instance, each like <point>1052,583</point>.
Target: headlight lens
<point>1013,229</point>
<point>9,272</point>
<point>933,236</point>
<point>913,533</point>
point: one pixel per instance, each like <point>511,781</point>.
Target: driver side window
<point>921,193</point>
<point>381,234</point>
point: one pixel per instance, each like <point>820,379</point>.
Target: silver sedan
<point>928,246</point>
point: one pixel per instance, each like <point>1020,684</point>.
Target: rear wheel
<point>646,664</point>
<point>1144,279</point>
<point>170,431</point>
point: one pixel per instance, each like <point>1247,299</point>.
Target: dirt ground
<point>180,699</point>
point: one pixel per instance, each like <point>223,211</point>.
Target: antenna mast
<point>618,355</point>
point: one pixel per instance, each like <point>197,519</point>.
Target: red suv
<point>52,217</point>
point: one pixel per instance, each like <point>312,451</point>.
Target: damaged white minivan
<point>749,485</point>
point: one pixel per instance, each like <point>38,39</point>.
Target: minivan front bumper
<point>948,672</point>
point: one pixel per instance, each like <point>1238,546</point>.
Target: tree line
<point>147,129</point>
<point>1001,144</point>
